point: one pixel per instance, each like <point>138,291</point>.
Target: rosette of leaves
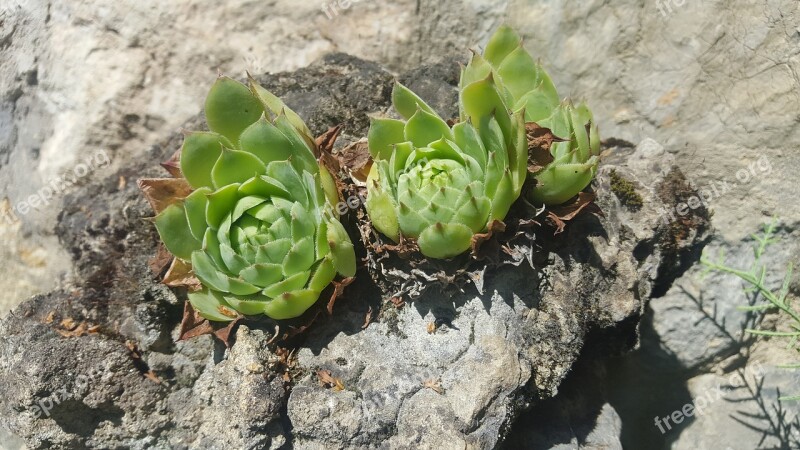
<point>524,85</point>
<point>441,185</point>
<point>257,227</point>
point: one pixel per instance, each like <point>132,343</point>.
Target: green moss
<point>626,192</point>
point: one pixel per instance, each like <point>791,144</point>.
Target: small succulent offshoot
<point>524,85</point>
<point>441,185</point>
<point>258,228</point>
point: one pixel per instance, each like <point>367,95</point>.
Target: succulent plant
<point>524,85</point>
<point>258,227</point>
<point>441,185</point>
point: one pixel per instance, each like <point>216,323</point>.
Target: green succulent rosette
<point>258,228</point>
<point>524,85</point>
<point>438,184</point>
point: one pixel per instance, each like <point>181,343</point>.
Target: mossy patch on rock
<point>626,192</point>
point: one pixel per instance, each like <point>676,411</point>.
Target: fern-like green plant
<point>766,299</point>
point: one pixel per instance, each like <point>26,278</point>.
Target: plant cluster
<point>258,229</point>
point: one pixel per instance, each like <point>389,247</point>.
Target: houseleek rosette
<point>441,185</point>
<point>525,85</point>
<point>258,227</point>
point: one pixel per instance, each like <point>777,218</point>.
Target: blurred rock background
<point>716,83</point>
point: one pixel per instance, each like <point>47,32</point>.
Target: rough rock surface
<point>492,356</point>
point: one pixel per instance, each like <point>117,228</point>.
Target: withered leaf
<point>357,160</point>
<point>540,139</point>
<point>180,275</point>
<point>173,165</point>
<point>433,385</point>
<point>193,325</point>
<point>326,380</point>
<point>159,262</point>
<point>583,202</point>
<point>367,319</point>
<point>326,140</point>
<point>478,240</point>
<point>162,192</point>
<point>338,289</point>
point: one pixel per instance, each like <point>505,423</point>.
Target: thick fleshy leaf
<point>230,108</point>
<point>220,204</point>
<point>195,205</point>
<point>423,128</point>
<point>342,252</point>
<point>445,240</point>
<point>300,256</point>
<point>323,275</point>
<point>382,211</point>
<point>262,274</point>
<point>291,304</point>
<point>501,44</point>
<point>199,153</point>
<point>302,150</point>
<point>174,230</point>
<point>290,283</point>
<point>266,141</point>
<point>250,305</point>
<point>383,134</point>
<point>236,166</point>
<point>275,105</point>
<point>559,183</point>
<point>211,305</point>
<point>407,103</point>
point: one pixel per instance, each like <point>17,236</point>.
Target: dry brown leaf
<point>326,380</point>
<point>180,275</point>
<point>367,319</point>
<point>432,327</point>
<point>540,140</point>
<point>160,261</point>
<point>357,160</point>
<point>398,302</point>
<point>193,325</point>
<point>478,240</point>
<point>173,165</point>
<point>338,288</point>
<point>50,317</point>
<point>162,192</point>
<point>562,214</point>
<point>434,385</point>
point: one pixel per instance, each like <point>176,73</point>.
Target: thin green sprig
<point>755,277</point>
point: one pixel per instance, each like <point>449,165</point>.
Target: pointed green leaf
<point>230,108</point>
<point>291,304</point>
<point>195,205</point>
<point>407,103</point>
<point>423,128</point>
<point>266,141</point>
<point>443,241</point>
<point>174,230</point>
<point>501,44</point>
<point>207,303</point>
<point>342,252</point>
<point>199,153</point>
<point>236,166</point>
<point>383,134</point>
